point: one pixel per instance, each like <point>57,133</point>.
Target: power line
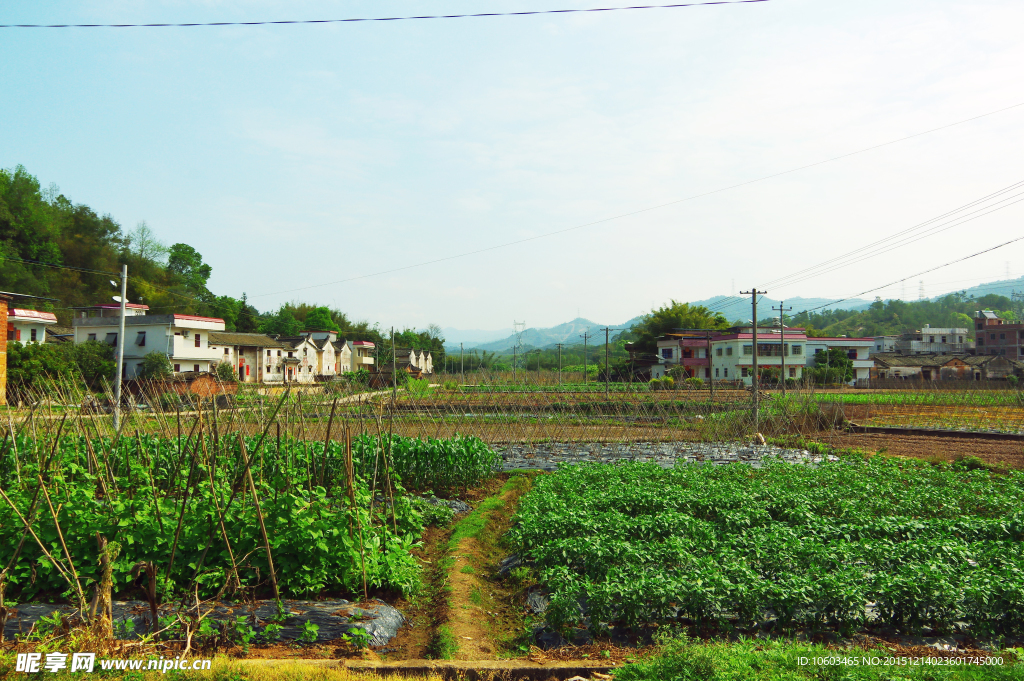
<point>642,210</point>
<point>939,267</point>
<point>194,24</point>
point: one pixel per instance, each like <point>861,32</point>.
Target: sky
<point>381,167</point>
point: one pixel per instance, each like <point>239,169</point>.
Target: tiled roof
<point>259,340</point>
<point>18,315</point>
<point>894,359</point>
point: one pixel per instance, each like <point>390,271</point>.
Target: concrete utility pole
<point>462,364</point>
<point>782,328</point>
<point>711,377</point>
<point>123,299</point>
<point>394,368</point>
<point>606,330</point>
<point>585,335</point>
<point>559,345</point>
<point>753,381</point>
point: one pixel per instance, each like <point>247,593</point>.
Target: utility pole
<point>462,364</point>
<point>585,336</point>
<point>782,328</point>
<point>606,330</point>
<point>753,381</point>
<point>394,368</point>
<point>123,299</point>
<point>514,364</point>
<point>711,378</point>
<point>559,345</point>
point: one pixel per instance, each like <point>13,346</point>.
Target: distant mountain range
<point>568,333</point>
<point>733,307</point>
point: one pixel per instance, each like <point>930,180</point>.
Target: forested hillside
<point>55,248</point>
<point>896,316</point>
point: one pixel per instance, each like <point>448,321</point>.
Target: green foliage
<point>443,645</point>
<point>1012,381</point>
<point>225,371</point>
<point>429,464</point>
<point>308,632</point>
<point>679,658</point>
<point>283,323</point>
<point>929,545</point>
<point>675,315</point>
<point>434,515</point>
<point>418,387</point>
<point>319,319</point>
<point>693,382</point>
<point>357,637</point>
<point>831,366</point>
<point>451,385</point>
<point>310,522</point>
<point>34,364</point>
<point>155,365</point>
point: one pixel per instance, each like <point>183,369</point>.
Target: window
<point>268,353</point>
<point>177,368</point>
<point>268,366</point>
<point>195,368</point>
<point>666,353</point>
<point>931,339</point>
<point>33,334</point>
<point>981,341</point>
<point>1002,336</point>
<point>792,372</point>
<point>748,349</point>
<point>744,373</point>
<point>728,351</point>
<point>279,353</point>
<point>305,351</point>
<point>716,373</point>
<point>111,339</point>
<point>718,351</point>
<point>725,372</point>
<point>943,339</point>
<point>225,351</point>
<point>991,336</point>
<point>799,349</point>
<point>140,340</point>
<point>289,354</point>
<point>198,338</point>
<point>707,372</point>
<point>980,327</point>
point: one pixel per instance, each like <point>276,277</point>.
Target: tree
<point>155,365</point>
<point>29,366</point>
<point>283,323</point>
<point>832,366</point>
<point>95,362</point>
<point>187,264</point>
<point>675,315</point>
<point>142,242</point>
<point>319,319</point>
<point>225,371</point>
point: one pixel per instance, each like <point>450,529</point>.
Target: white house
<point>732,353</point>
<point>253,357</point>
<point>857,349</point>
<point>29,326</point>
<point>185,339</point>
<point>354,355</point>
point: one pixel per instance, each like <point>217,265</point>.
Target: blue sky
<point>295,156</point>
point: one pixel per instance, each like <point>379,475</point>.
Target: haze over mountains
<point>735,308</point>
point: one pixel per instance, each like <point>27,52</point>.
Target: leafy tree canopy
<point>675,315</point>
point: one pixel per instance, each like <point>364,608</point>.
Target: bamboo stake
<point>259,515</point>
<point>60,534</point>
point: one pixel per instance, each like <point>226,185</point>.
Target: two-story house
<point>354,355</point>
<point>185,339</point>
<point>732,355</point>
<point>29,326</point>
<point>253,357</point>
<point>856,349</point>
<point>997,336</point>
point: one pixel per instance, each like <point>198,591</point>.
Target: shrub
<point>225,371</point>
<point>418,387</point>
<point>1012,381</point>
<point>693,382</point>
<point>155,365</point>
<point>451,385</point>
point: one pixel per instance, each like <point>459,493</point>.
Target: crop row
<point>185,506</point>
<point>843,544</point>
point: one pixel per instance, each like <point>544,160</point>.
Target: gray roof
<point>257,340</point>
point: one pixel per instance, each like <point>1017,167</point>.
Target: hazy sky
<point>294,156</point>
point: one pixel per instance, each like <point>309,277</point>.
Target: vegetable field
<point>849,544</point>
<point>336,519</point>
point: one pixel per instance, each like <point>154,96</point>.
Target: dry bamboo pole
<point>327,440</point>
<point>350,474</point>
<point>14,443</point>
<point>104,624</point>
<point>259,515</point>
<point>223,528</point>
<point>42,546</point>
<point>181,515</point>
<point>60,534</point>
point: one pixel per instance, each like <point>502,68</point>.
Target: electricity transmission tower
<point>518,329</point>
